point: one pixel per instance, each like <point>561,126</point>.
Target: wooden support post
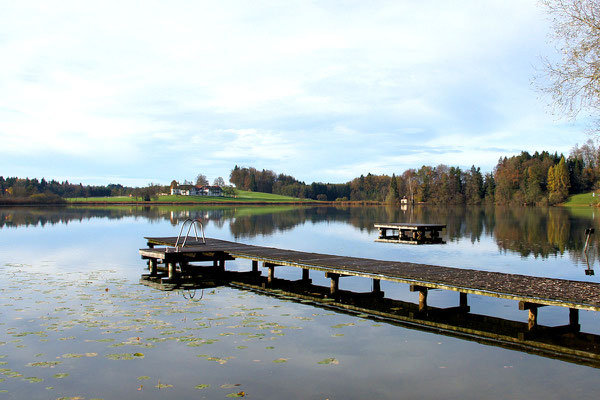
<point>153,264</point>
<point>171,269</point>
<point>271,274</point>
<point>532,320</point>
<point>222,264</point>
<point>533,313</point>
<point>422,296</point>
<point>335,283</point>
<point>463,300</point>
<point>305,274</point>
<point>215,262</point>
<point>423,300</point>
<point>254,266</point>
<point>376,285</point>
<point>573,317</point>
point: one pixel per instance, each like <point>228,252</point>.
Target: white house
<point>191,190</point>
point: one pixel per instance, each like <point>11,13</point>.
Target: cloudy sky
<point>146,91</point>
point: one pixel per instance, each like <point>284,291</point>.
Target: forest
<point>524,179</point>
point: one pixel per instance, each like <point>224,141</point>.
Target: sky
<point>134,92</point>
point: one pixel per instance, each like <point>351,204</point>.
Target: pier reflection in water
<point>553,342</point>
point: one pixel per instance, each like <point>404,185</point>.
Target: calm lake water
<point>75,322</point>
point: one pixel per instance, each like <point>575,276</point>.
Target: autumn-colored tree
<point>558,182</point>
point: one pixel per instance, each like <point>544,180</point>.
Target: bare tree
<point>201,180</point>
<point>575,79</point>
<point>219,182</point>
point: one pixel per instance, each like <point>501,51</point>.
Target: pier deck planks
<point>537,290</point>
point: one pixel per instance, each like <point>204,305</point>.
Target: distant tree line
<point>50,191</point>
<point>525,179</point>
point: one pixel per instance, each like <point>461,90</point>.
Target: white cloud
<point>320,90</point>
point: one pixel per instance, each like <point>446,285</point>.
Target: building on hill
<point>192,190</point>
<point>211,191</point>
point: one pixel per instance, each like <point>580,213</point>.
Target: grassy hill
<point>582,199</point>
<point>241,197</point>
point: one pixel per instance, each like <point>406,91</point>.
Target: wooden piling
<point>335,283</point>
<point>153,266</point>
<point>305,275</point>
<point>533,316</point>
<point>254,266</point>
<point>573,317</point>
<point>463,303</point>
<point>376,286</point>
<point>271,274</point>
<point>422,296</point>
<point>171,270</point>
<point>533,313</point>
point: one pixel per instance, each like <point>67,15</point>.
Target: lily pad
<point>44,364</point>
<point>125,356</point>
<point>332,361</point>
<point>202,386</point>
<point>229,385</point>
<point>238,394</point>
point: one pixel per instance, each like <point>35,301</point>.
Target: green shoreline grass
<point>581,200</point>
<point>241,197</point>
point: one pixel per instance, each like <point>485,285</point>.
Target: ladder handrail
<point>193,222</point>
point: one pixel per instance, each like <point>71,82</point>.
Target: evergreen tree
<point>393,196</point>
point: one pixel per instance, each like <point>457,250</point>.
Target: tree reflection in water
<point>528,231</point>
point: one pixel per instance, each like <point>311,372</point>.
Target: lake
<point>76,322</point>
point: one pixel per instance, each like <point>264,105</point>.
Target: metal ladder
<point>193,222</point>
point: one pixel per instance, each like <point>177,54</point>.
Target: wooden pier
<point>401,232</point>
<point>531,292</point>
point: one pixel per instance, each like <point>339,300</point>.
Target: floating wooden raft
<point>531,292</point>
<point>402,232</point>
